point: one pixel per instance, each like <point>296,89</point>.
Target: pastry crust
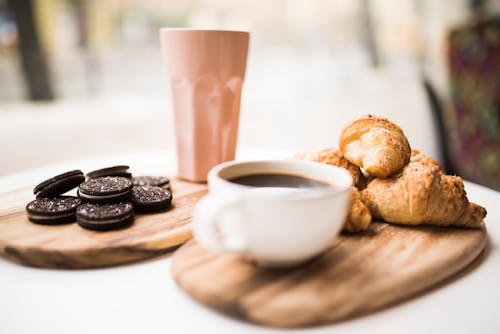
<point>403,186</point>
<point>359,217</point>
<point>332,156</point>
<point>422,194</point>
<point>417,156</point>
<point>375,144</point>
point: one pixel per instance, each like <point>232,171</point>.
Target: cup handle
<point>206,222</point>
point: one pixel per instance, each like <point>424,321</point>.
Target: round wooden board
<point>359,274</point>
<point>70,246</point>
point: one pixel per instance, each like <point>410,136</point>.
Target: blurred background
<point>84,78</point>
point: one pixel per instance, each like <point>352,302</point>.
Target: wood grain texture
<point>70,246</point>
<point>358,274</point>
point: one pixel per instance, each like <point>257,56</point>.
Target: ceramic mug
<point>276,227</point>
<point>206,69</point>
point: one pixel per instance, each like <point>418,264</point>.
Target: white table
<point>143,298</point>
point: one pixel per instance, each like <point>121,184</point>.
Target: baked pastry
<point>375,144</point>
<point>472,216</point>
<point>422,194</point>
<point>359,216</point>
<point>417,156</point>
<point>331,156</point>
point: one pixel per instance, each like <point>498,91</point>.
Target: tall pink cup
<point>206,69</point>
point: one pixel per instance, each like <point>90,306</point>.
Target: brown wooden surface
<point>70,246</point>
<point>359,274</point>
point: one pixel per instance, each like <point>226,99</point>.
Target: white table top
<point>143,298</point>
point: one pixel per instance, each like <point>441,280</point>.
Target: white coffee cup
<point>276,227</point>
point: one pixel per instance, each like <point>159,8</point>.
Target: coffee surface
<point>278,180</point>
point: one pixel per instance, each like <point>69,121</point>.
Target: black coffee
<point>278,180</point>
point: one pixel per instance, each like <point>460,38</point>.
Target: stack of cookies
<point>107,198</point>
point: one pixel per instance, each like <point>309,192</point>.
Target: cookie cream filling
<point>38,217</point>
<point>82,195</point>
<point>104,221</point>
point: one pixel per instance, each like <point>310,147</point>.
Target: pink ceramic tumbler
<point>206,69</point>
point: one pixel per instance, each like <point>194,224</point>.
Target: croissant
<point>332,157</point>
<point>359,216</point>
<point>375,144</point>
<point>417,156</point>
<point>422,194</point>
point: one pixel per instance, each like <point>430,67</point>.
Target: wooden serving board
<point>358,274</point>
<point>70,246</point>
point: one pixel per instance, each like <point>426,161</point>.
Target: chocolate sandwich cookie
<point>110,171</point>
<point>59,184</point>
<point>51,211</point>
<point>104,217</point>
<point>107,189</point>
<point>158,181</point>
<point>151,198</point>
